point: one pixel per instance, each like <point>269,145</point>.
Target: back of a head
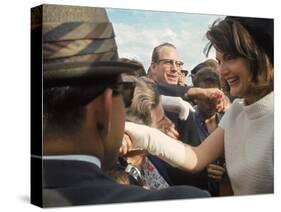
<point>140,72</point>
<point>197,68</point>
<point>80,60</point>
<point>146,98</point>
<point>206,78</point>
<point>210,63</point>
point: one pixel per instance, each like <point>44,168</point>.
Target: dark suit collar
<point>86,158</point>
<point>63,173</point>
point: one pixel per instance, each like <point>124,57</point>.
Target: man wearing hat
<point>83,112</point>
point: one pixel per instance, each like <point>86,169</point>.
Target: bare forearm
<point>194,93</point>
<point>204,93</point>
<point>209,150</point>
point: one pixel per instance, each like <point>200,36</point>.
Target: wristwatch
<point>135,173</point>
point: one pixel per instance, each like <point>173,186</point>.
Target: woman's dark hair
<point>234,40</point>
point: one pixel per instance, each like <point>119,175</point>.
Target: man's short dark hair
<point>138,72</point>
<point>208,63</point>
<point>64,107</point>
<point>208,77</point>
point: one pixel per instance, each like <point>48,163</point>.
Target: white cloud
<point>139,31</point>
<point>138,42</point>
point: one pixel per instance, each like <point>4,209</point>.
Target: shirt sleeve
<point>172,90</point>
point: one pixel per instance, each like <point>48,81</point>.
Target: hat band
<point>77,47</point>
<point>76,30</point>
<point>107,56</point>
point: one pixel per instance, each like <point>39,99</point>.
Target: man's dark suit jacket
<point>69,182</point>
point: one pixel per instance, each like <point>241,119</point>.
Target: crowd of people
<point>114,132</point>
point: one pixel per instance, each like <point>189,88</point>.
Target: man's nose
<point>175,67</point>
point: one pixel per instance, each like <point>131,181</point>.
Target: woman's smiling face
<point>237,74</point>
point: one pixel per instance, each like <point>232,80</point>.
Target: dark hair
<point>155,53</point>
<point>64,107</point>
<point>140,72</point>
<point>234,41</point>
<point>207,77</point>
<point>208,63</point>
<point>61,109</point>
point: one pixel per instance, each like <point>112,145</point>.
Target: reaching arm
<point>208,94</point>
<point>175,152</point>
<point>209,150</point>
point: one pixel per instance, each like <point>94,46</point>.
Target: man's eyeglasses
<point>169,62</point>
<point>126,89</point>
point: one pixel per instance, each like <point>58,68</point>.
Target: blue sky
<point>139,31</point>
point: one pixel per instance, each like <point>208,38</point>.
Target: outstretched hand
<point>177,105</point>
<point>157,143</point>
<point>213,95</point>
<point>126,145</point>
<point>127,148</point>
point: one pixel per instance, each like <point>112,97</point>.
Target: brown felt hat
<point>78,44</point>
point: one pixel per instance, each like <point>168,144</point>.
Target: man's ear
<point>153,67</point>
<point>153,71</point>
<point>106,111</point>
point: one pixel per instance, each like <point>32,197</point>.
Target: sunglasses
<point>126,90</point>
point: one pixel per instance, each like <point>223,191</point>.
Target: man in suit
<point>84,112</point>
<point>165,69</point>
